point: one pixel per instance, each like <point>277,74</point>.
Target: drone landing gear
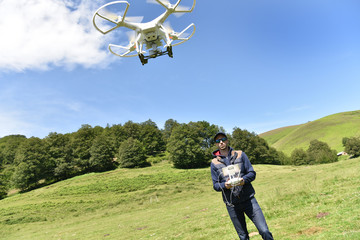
<point>154,54</point>
<point>142,59</point>
<point>169,51</point>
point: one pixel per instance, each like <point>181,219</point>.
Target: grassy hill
<point>160,202</point>
<point>330,129</point>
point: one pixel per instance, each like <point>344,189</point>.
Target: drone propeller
<point>179,10</point>
<point>177,38</point>
<point>175,35</point>
<point>117,18</point>
<point>127,51</point>
<point>168,28</point>
<point>135,19</point>
<point>108,14</point>
<point>132,37</point>
<point>165,2</point>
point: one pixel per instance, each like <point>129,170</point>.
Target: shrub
<point>352,146</point>
<point>299,157</point>
<point>320,152</point>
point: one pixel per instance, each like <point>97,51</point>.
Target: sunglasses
<point>221,139</point>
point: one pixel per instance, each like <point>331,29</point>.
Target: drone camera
<point>152,36</point>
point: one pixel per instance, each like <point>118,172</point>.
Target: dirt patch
<point>13,191</point>
<point>322,214</point>
<point>141,228</point>
<point>310,231</point>
<point>253,234</point>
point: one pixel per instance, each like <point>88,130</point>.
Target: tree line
<point>27,163</point>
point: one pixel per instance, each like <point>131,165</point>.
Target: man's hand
<point>227,185</point>
<point>242,182</point>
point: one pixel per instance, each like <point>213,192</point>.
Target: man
<point>238,197</point>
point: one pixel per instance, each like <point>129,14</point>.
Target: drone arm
<point>167,38</point>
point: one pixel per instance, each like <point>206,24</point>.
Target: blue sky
<point>257,65</point>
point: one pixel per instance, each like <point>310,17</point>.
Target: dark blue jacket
<point>239,193</point>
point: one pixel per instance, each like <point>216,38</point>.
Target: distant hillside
<point>330,129</point>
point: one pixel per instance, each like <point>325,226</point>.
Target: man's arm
<point>216,179</point>
<point>250,173</point>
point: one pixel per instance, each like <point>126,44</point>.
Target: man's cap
<point>219,133</point>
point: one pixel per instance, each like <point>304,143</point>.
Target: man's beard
<point>223,147</point>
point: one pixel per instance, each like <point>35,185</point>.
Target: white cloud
<point>39,34</point>
<point>13,125</point>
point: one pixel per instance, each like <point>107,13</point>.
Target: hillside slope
<point>160,202</point>
<point>330,129</point>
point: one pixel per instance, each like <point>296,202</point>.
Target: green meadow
<point>330,129</point>
<point>161,202</point>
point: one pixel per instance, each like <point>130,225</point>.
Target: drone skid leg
<point>143,59</point>
<point>169,51</point>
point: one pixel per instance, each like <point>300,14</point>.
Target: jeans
<point>252,209</point>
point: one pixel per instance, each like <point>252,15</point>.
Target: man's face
<point>221,142</point>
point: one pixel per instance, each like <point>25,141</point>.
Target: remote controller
<point>234,181</point>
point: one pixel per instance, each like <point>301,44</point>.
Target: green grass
<point>331,129</point>
<point>160,202</point>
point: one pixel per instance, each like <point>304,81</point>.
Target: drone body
<point>147,38</point>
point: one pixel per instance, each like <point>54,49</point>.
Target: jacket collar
<point>217,153</point>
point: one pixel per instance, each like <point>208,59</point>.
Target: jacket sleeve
<point>216,179</point>
<point>249,172</point>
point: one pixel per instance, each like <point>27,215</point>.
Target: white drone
<point>152,34</point>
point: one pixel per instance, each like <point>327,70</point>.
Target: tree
<point>81,144</point>
<point>60,155</point>
<point>5,175</point>
<point>186,147</point>
<point>168,127</point>
<point>352,146</point>
<point>3,188</point>
<point>299,157</point>
<point>8,147</point>
<point>205,133</point>
<point>102,154</point>
<point>117,134</point>
<point>2,159</point>
<point>132,129</point>
<point>31,164</point>
<point>320,152</point>
<point>151,137</point>
<point>131,154</point>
